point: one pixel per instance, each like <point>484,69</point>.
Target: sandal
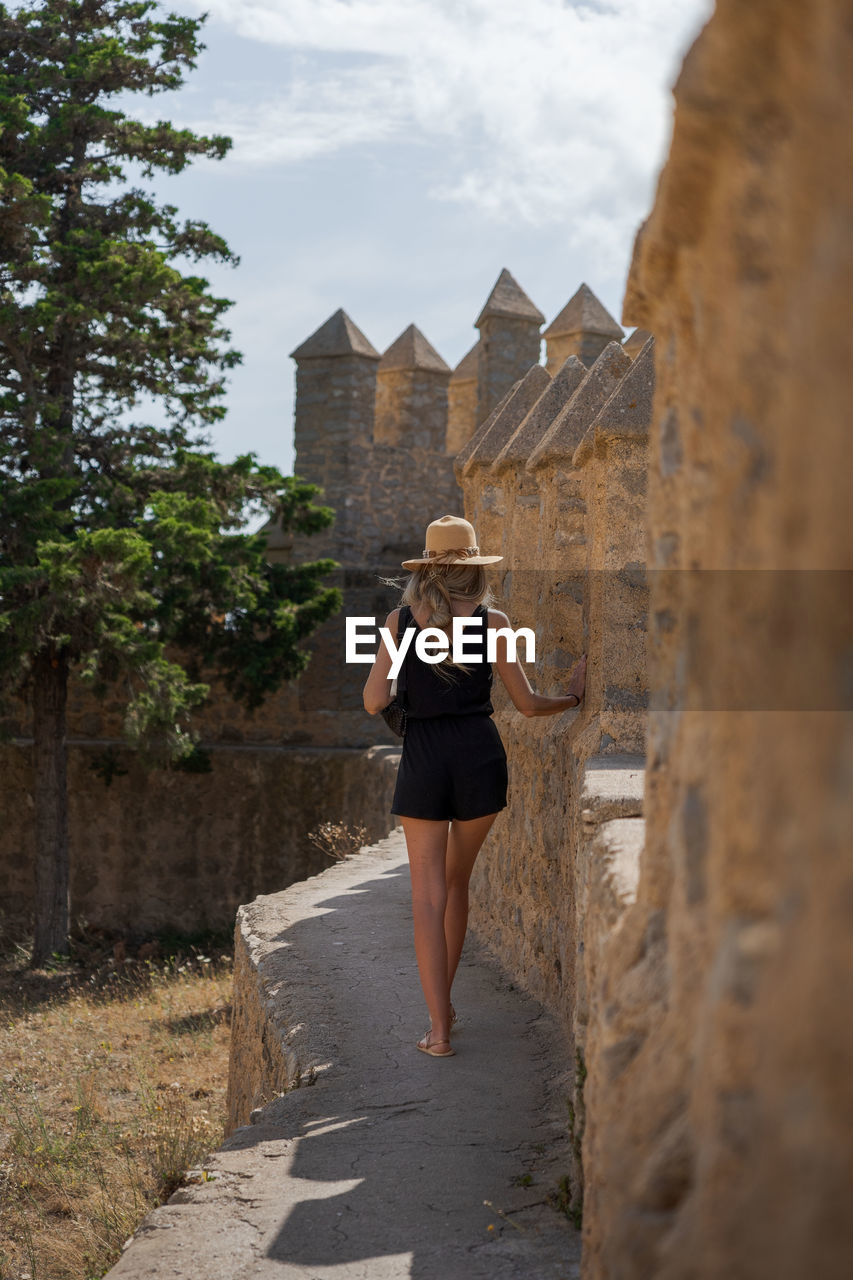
<point>428,1046</point>
<point>454,1017</point>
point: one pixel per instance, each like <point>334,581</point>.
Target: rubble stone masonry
<point>719,1106</point>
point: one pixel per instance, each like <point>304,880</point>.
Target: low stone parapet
<point>392,1164</point>
<point>155,849</point>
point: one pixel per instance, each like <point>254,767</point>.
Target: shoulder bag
<point>394,714</point>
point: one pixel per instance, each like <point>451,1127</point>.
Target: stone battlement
<point>396,439</point>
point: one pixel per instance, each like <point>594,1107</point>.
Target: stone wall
<point>719,1137</point>
<point>692,923</point>
<point>555,482</point>
<point>169,849</point>
<point>462,402</point>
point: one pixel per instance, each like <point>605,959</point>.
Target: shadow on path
<point>382,1167</point>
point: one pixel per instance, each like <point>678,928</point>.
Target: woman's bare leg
<point>463,845</point>
<point>426,842</point>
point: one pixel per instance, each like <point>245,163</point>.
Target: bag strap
<point>402,623</point>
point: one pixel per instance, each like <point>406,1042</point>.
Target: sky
<point>391,156</point>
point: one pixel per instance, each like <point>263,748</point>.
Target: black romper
<point>453,763</point>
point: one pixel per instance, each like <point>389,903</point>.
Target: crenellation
<point>573,538</point>
<point>503,424</point>
<point>562,437</point>
<point>337,336</point>
<point>627,413</point>
<point>372,431</point>
<point>465,452</point>
<point>633,345</point>
<point>518,448</point>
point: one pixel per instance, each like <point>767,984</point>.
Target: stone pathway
<point>381,1169</point>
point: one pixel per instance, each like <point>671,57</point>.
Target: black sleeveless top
<point>428,694</point>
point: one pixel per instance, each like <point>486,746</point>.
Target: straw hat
<point>448,535</point>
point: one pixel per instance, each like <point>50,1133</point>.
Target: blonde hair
<point>433,585</point>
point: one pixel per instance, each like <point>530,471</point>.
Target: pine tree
<point>123,552</point>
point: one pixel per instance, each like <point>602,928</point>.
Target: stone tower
<point>462,401</point>
<point>510,343</point>
<point>335,404</point>
<point>411,394</point>
<point>583,329</point>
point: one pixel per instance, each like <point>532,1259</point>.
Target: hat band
<point>457,551</point>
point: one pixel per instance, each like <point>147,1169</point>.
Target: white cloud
<point>549,111</point>
<point>316,115</point>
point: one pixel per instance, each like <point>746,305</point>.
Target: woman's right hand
<point>577,680</point>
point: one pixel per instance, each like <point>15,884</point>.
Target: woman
<point>453,765</point>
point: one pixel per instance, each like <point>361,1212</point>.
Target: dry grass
<point>112,1090</point>
<point>338,840</point>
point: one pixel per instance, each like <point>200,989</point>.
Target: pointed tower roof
<point>412,351</point>
<point>583,313</point>
<point>469,366</point>
<point>337,337</point>
<point>509,299</point>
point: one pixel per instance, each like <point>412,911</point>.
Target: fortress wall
<point>719,1105</point>
<point>612,463</point>
<point>461,412</point>
<point>567,534</point>
<point>172,849</point>
<point>519,892</point>
<point>396,491</point>
<point>411,408</point>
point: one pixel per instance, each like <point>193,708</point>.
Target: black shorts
<point>452,766</point>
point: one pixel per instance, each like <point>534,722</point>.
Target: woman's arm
<point>377,690</point>
<point>517,685</point>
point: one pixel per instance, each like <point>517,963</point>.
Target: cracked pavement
<point>392,1164</point>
